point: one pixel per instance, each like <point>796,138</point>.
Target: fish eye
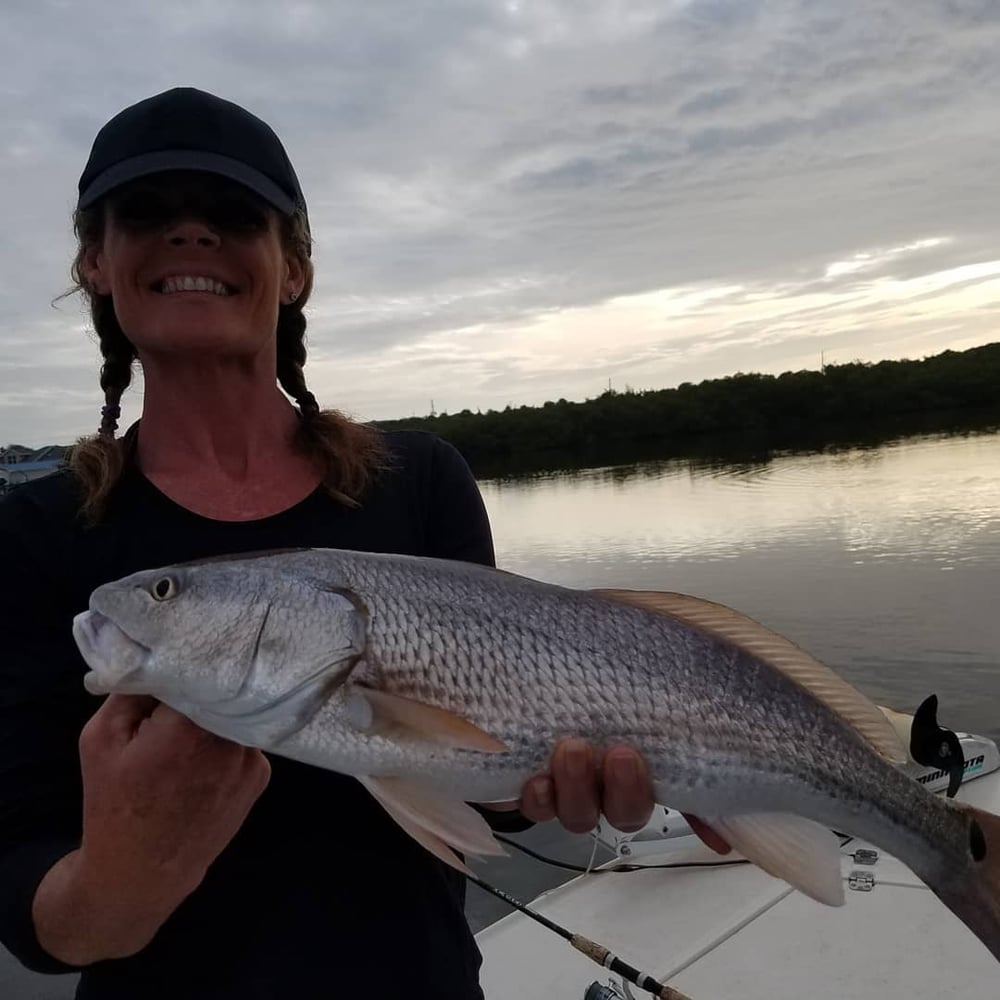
<point>164,588</point>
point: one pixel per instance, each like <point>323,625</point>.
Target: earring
<point>292,296</point>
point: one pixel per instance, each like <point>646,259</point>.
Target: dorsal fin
<point>900,722</point>
<point>777,652</point>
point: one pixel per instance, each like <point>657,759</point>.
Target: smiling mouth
<point>176,284</point>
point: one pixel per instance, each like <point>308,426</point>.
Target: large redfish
<point>438,683</point>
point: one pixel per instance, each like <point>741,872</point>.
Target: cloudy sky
<point>523,200</point>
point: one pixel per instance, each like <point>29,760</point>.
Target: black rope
<point>621,868</point>
<point>617,868</point>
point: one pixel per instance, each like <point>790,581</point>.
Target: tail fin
<point>974,897</point>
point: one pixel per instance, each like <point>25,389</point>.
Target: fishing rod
<point>597,952</point>
<point>594,951</point>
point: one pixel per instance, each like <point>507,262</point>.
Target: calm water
<point>883,562</point>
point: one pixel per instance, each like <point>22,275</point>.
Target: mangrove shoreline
<point>740,417</point>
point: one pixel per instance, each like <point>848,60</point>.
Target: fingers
<point>258,769</point>
<point>181,735</point>
<point>126,711</point>
<point>628,790</point>
<point>123,717</point>
<point>708,835</point>
<point>145,730</point>
<point>118,719</point>
<point>577,791</point>
<point>570,791</point>
<point>574,772</point>
<point>178,730</point>
<point>538,799</point>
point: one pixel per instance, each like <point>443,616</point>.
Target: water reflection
<point>924,499</point>
<point>884,561</point>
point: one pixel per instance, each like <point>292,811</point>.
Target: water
<point>883,562</point>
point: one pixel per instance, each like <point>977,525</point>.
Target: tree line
<point>737,414</point>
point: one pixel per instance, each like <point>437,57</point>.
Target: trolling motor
<point>937,747</point>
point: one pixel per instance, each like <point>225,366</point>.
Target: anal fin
<point>797,850</point>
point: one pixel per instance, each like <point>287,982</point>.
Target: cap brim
<point>186,159</point>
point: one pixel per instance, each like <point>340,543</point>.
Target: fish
<point>437,684</point>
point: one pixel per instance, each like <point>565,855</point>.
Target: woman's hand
<point>577,791</point>
<point>162,798</point>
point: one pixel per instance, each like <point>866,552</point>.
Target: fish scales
<point>710,719</point>
<point>695,707</point>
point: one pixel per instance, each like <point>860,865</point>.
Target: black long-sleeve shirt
<point>319,894</point>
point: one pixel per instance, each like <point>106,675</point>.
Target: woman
<point>156,858</point>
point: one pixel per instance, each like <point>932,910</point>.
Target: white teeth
<point>193,283</point>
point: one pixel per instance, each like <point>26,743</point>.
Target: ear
<point>93,270</point>
<point>295,278</point>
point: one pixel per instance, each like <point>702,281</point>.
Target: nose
<point>191,232</point>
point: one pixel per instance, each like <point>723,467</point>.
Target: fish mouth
<point>112,655</point>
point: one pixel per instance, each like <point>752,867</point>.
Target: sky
<point>516,201</point>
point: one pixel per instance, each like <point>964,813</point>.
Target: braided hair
<point>116,372</point>
<point>349,453</point>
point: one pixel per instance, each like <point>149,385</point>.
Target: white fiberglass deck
<point>728,933</point>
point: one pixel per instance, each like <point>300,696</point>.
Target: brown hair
<point>350,453</point>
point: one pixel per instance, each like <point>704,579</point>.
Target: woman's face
<point>194,264</point>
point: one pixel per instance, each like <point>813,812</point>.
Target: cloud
<point>517,201</point>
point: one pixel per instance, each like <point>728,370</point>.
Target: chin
<point>198,340</point>
<point>198,329</point>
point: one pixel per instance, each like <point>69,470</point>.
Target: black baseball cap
<point>188,129</point>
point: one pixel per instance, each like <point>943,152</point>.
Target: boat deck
<point>736,932</point>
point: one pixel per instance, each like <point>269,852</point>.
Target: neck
<point>223,431</point>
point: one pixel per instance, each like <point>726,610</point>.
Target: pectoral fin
<point>799,851</point>
<point>380,712</point>
<point>436,821</point>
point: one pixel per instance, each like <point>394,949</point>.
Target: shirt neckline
<point>146,484</point>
